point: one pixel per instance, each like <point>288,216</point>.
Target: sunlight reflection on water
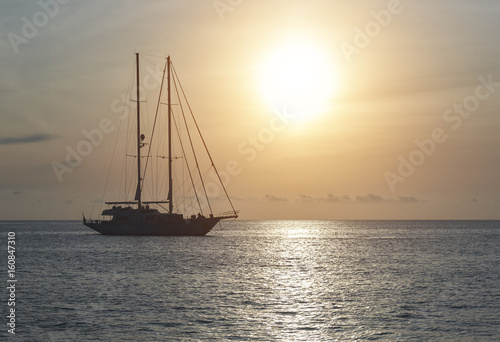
<point>263,281</point>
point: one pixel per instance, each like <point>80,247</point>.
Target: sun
<point>297,79</point>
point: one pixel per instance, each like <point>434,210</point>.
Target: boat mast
<point>170,202</point>
<point>138,191</point>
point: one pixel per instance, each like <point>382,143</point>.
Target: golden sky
<point>330,110</point>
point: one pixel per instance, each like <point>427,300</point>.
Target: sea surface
<point>257,281</point>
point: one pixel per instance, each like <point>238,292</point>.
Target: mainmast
<point>170,202</point>
<point>138,191</point>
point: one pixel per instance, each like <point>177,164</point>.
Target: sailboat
<point>142,217</point>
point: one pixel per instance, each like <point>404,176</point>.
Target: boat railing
<point>229,214</point>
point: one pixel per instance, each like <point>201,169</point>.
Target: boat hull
<point>184,227</point>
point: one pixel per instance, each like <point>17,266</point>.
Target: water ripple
<point>262,281</point>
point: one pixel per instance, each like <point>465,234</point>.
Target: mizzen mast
<point>169,104</point>
<point>139,145</point>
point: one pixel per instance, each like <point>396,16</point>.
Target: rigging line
<point>204,144</point>
<point>156,167</point>
<point>111,163</point>
<point>227,225</point>
<point>116,143</point>
<point>181,192</point>
<point>145,126</point>
<point>162,179</point>
<point>180,186</point>
<point>183,189</point>
<point>154,125</point>
<point>126,126</point>
<point>176,79</point>
<point>162,149</point>
<point>126,164</point>
<point>146,59</point>
<point>184,153</point>
<point>128,167</point>
<point>147,54</point>
<point>156,66</point>
<point>160,146</point>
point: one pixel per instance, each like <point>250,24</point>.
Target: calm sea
<point>257,281</point>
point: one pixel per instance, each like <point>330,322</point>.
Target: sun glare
<point>298,79</point>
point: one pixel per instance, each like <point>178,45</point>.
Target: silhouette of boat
<point>139,217</point>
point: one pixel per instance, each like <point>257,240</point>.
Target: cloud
<point>372,198</point>
<point>409,199</point>
<point>328,199</point>
<point>27,139</point>
<point>305,198</point>
<point>272,198</point>
<point>333,198</point>
<point>369,198</point>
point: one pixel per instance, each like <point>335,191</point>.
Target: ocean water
<point>257,281</point>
